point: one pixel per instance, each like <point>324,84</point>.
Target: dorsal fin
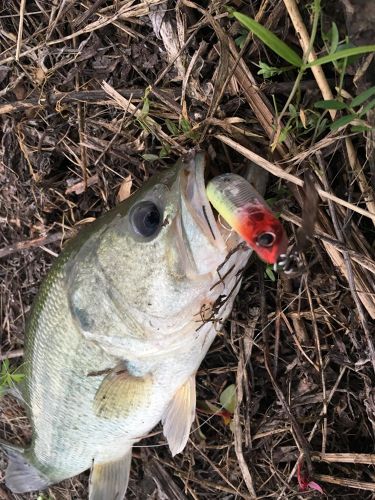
<point>179,416</point>
<point>109,481</point>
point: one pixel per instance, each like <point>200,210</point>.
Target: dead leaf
<point>125,188</point>
<point>80,187</point>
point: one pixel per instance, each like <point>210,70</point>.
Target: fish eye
<point>266,239</point>
<point>145,218</point>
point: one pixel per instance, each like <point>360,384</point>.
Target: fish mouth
<point>195,197</point>
<point>201,233</point>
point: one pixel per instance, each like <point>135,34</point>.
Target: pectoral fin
<point>109,481</point>
<point>21,476</point>
<point>179,416</point>
<point>120,393</point>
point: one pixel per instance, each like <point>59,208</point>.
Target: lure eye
<point>145,219</point>
<point>266,239</point>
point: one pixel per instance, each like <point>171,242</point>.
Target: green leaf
<point>334,38</point>
<point>146,107</point>
<point>269,71</point>
<point>165,150</point>
<point>321,126</point>
<point>150,157</point>
<point>284,134</point>
<point>360,128</point>
<point>228,398</point>
<point>172,127</point>
<point>8,377</point>
<point>367,108</point>
<point>342,54</point>
<point>269,39</point>
<point>269,272</point>
<point>293,111</point>
<point>330,104</point>
<point>363,96</point>
<point>342,64</point>
<point>185,125</point>
<point>344,120</point>
<point>4,366</point>
<point>240,40</point>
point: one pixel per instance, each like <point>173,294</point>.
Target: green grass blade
<point>341,122</point>
<point>342,54</point>
<point>369,106</point>
<point>361,98</point>
<point>268,38</point>
<point>330,104</point>
<point>334,35</point>
<point>360,128</point>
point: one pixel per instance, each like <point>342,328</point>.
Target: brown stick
<point>83,96</point>
<point>304,39</point>
<point>20,29</point>
<point>17,353</point>
<point>36,242</point>
<point>348,483</point>
<point>279,172</point>
<point>345,458</point>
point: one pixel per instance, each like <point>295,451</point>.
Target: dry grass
<point>87,89</point>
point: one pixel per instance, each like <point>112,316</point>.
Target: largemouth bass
<point>119,328</point>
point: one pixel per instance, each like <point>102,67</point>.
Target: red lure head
<point>262,231</point>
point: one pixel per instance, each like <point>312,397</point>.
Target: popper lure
<point>245,210</point>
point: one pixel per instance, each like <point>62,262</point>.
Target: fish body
<point>118,330</point>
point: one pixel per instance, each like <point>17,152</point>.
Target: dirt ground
<point>98,95</point>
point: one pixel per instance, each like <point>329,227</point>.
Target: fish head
<point>169,224</point>
<point>152,260</point>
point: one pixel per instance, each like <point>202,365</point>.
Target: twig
<point>348,483</point>
<point>89,12</point>
<point>279,172</point>
<point>313,430</point>
<point>238,429</point>
<point>17,353</point>
<point>165,484</point>
<point>83,160</point>
<point>246,81</point>
<point>345,458</point>
<point>300,439</point>
<point>295,317</point>
<point>349,268</point>
<point>20,29</point>
<point>304,39</point>
<point>36,242</point>
<point>307,51</point>
<point>217,470</point>
<point>321,368</point>
<point>286,87</point>
<point>360,258</point>
<point>151,124</point>
<point>138,10</point>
